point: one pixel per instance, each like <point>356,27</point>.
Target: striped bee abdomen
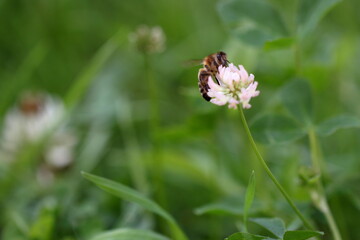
<point>203,77</point>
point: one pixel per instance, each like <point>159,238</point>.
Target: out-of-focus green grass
<point>79,51</point>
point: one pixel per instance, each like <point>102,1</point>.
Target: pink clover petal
<point>226,79</point>
<point>252,89</point>
<point>230,84</point>
<point>233,100</point>
<point>220,95</point>
<point>243,73</point>
<point>231,66</point>
<point>246,105</point>
<point>213,86</point>
<point>211,94</point>
<point>219,101</point>
<point>253,85</point>
<point>221,72</point>
<point>236,77</point>
<point>233,103</point>
<point>218,98</point>
<point>244,95</point>
<point>215,94</point>
<point>251,77</point>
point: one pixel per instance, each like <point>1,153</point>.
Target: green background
<point>136,113</point>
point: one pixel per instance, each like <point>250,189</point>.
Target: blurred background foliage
<point>139,119</point>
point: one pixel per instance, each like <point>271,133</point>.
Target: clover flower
<point>30,119</point>
<point>235,87</point>
<point>148,39</point>
<point>28,122</point>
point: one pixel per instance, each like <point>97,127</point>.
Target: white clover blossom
<point>29,121</point>
<point>235,87</point>
<point>148,39</point>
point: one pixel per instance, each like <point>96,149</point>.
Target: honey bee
<point>211,65</point>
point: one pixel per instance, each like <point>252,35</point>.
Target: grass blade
<point>129,234</point>
<point>132,195</point>
<point>249,197</point>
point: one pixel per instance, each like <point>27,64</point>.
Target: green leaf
<point>249,197</point>
<point>280,43</point>
<point>132,195</point>
<point>245,236</point>
<point>301,235</point>
<point>43,227</point>
<point>255,37</point>
<point>128,194</point>
<point>274,225</point>
<point>272,129</point>
<point>297,98</point>
<point>310,14</point>
<point>221,208</point>
<point>331,125</point>
<point>254,22</point>
<point>129,234</point>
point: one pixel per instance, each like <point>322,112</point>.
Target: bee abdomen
<point>203,77</point>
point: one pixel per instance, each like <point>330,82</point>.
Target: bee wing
<point>192,63</point>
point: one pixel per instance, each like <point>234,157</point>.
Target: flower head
<point>148,39</point>
<point>29,121</point>
<point>235,87</point>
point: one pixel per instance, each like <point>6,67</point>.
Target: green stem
<point>136,163</point>
<point>271,175</point>
<point>333,227</point>
<point>321,201</point>
<point>156,157</point>
<point>156,161</point>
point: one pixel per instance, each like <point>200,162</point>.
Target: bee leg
<point>206,97</point>
<point>217,80</point>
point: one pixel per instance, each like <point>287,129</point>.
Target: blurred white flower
<point>148,39</point>
<point>235,87</point>
<point>28,122</point>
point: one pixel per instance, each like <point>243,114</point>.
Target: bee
<point>211,65</point>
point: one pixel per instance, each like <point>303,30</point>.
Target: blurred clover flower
<point>235,87</point>
<point>148,39</point>
<point>28,122</point>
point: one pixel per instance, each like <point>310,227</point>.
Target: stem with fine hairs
<point>270,174</point>
<point>321,202</point>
